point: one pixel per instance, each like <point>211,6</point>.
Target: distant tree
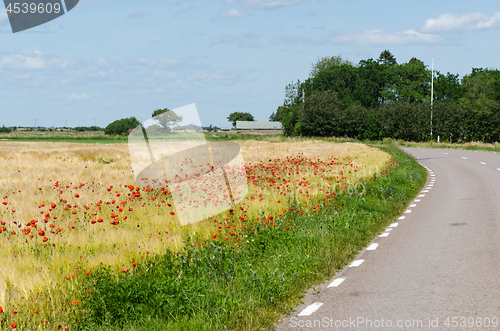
<point>327,62</point>
<point>276,117</point>
<point>122,126</point>
<point>5,130</point>
<point>238,116</point>
<point>387,58</point>
<point>168,118</point>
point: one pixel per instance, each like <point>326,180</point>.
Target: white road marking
<point>356,263</point>
<point>482,163</point>
<point>408,211</point>
<point>425,191</point>
<point>385,234</point>
<point>414,205</point>
<point>417,200</point>
<point>463,157</point>
<point>389,229</point>
<point>428,187</point>
<point>401,218</point>
<point>421,195</point>
<point>310,309</point>
<point>498,169</point>
<point>433,175</point>
<point>372,247</point>
<point>393,225</point>
<point>445,153</point>
<point>336,282</point>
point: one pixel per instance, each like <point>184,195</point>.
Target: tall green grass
<point>249,285</point>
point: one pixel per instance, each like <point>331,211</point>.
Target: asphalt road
<point>436,269</point>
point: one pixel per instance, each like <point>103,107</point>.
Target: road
<point>436,269</point>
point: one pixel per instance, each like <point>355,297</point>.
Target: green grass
<point>472,146</point>
<point>249,286</point>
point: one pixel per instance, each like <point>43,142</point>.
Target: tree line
<point>380,98</point>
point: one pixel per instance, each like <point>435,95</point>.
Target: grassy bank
<point>218,285</point>
<point>471,146</point>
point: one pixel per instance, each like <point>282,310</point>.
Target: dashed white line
<point>421,195</point>
<point>417,200</point>
<point>445,153</point>
<point>463,157</point>
<point>388,229</point>
<point>425,191</point>
<point>498,169</point>
<point>408,211</point>
<point>428,187</point>
<point>393,225</point>
<point>310,309</point>
<point>401,218</point>
<point>372,247</point>
<point>336,282</point>
<point>356,263</point>
<point>385,234</point>
<point>414,205</point>
<point>482,163</point>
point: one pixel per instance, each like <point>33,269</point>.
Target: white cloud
<point>465,22</point>
<point>31,61</point>
<point>232,13</point>
<point>249,5</point>
<point>81,96</point>
<point>386,38</point>
<point>268,4</point>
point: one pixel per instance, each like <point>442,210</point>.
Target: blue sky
<point>109,59</point>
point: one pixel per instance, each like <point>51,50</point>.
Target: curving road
<point>436,269</point>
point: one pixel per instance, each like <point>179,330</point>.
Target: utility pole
<point>432,90</point>
<point>95,121</point>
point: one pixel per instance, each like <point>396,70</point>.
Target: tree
<point>276,117</point>
<point>387,58</point>
<point>447,87</point>
<point>411,82</point>
<point>167,118</point>
<point>321,115</point>
<point>342,79</point>
<point>122,126</point>
<point>481,91</point>
<point>327,62</point>
<point>238,116</point>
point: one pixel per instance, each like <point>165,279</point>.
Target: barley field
<point>66,208</point>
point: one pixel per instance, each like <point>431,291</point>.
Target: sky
<point>110,59</point>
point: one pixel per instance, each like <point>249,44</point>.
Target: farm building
<point>258,127</point>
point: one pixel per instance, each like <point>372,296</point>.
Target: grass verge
<point>220,286</point>
<point>472,146</point>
